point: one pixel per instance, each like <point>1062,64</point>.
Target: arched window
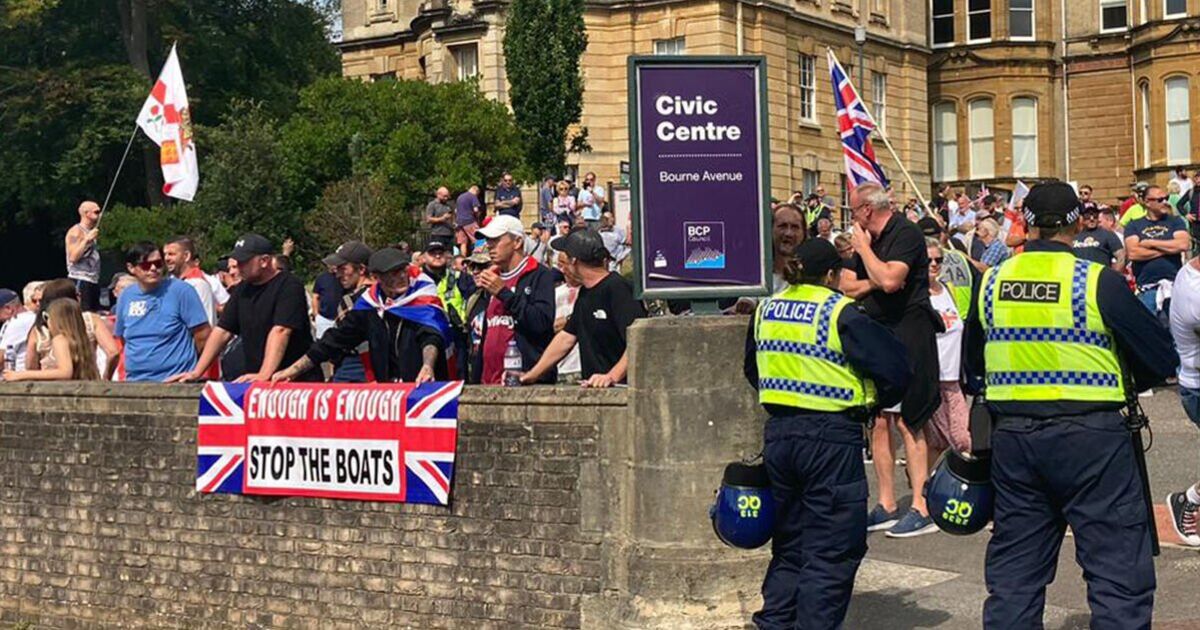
<point>945,142</point>
<point>981,129</point>
<point>1024,137</point>
<point>1179,132</point>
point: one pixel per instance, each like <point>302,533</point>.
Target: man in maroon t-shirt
<point>522,304</point>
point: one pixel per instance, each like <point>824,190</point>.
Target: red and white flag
<point>167,120</point>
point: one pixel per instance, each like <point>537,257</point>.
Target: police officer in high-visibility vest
<point>821,368</point>
<point>1057,341</point>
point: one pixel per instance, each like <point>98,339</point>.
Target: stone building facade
<point>968,91</point>
<point>444,41</point>
<point>1102,97</point>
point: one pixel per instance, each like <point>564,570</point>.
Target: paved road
<point>936,581</point>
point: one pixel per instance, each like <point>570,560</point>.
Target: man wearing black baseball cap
<point>268,310</point>
<point>604,309</point>
<point>822,368</point>
<point>399,347</point>
<point>1061,346</point>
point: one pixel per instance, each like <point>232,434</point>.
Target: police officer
<point>822,368</point>
<point>1059,340</point>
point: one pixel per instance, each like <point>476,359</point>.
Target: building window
<point>979,20</point>
<point>383,76</point>
<point>673,46</point>
<point>1174,8</point>
<point>1025,137</point>
<point>466,61</point>
<point>945,142</point>
<point>1145,94</point>
<point>809,181</point>
<point>980,129</point>
<point>879,98</point>
<point>1020,19</point>
<point>1114,16</point>
<point>942,12</point>
<point>381,5</point>
<point>1179,133</point>
<point>808,88</point>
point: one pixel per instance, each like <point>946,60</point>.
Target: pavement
<point>936,581</point>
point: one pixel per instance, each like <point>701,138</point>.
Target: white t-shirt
<point>564,305</point>
<point>949,343</point>
<point>1185,320</point>
<point>220,295</point>
<point>15,334</point>
<point>204,291</point>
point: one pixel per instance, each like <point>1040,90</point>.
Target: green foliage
<point>69,93</point>
<point>359,208</point>
<point>543,43</point>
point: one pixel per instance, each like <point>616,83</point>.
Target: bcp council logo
<point>704,245</point>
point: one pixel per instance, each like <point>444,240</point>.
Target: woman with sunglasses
<point>948,426</point>
<point>161,321</point>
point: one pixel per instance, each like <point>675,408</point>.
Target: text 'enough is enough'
<point>346,405</point>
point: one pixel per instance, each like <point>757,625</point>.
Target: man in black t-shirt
<point>599,323</point>
<point>267,310</point>
<point>1097,244</point>
<point>891,280</point>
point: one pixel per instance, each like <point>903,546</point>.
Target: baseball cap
<point>817,256</point>
<point>480,256</point>
<point>538,225</point>
<point>7,296</point>
<point>582,244</point>
<point>929,226</point>
<point>435,245</point>
<point>387,259</point>
<point>250,245</point>
<point>1051,204</point>
<point>354,252</point>
<point>502,224</point>
<point>1140,187</point>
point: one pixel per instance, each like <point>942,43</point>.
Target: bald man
<point>439,214</point>
<point>83,259</point>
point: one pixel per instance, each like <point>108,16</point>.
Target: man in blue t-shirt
<point>508,197</point>
<point>1155,244</point>
<point>160,320</point>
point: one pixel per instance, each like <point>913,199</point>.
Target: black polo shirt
<point>901,240</point>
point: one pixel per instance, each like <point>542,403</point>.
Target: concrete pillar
<point>692,412</point>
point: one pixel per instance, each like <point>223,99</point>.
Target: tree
<point>543,42</point>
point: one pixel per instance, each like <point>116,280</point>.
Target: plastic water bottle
<point>512,365</point>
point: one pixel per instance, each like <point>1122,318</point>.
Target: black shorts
<point>89,295</point>
<point>919,336</point>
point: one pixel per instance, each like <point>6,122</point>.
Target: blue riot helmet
<point>743,514</point>
<point>959,493</point>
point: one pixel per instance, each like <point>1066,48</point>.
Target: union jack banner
<point>855,126</point>
<point>384,442</point>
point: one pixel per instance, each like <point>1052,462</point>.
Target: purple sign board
<point>700,180</point>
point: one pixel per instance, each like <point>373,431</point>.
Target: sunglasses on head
<point>147,265</point>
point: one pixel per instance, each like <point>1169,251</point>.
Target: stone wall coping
<point>559,396</point>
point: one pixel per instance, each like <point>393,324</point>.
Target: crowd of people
<point>485,300</point>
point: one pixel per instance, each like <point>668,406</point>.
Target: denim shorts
<point>1191,403</point>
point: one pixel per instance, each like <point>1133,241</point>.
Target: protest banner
<point>377,442</point>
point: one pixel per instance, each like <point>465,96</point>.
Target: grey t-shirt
<point>439,209</point>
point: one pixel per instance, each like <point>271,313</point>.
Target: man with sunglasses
<point>1155,244</point>
<point>161,321</point>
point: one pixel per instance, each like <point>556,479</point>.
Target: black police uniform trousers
<point>1078,471</point>
<point>814,461</point>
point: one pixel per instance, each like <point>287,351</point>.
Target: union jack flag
<point>420,304</point>
<point>855,126</point>
<point>221,438</point>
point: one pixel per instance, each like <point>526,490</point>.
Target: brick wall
<point>102,528</point>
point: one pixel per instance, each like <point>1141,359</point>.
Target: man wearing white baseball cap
<point>521,307</point>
